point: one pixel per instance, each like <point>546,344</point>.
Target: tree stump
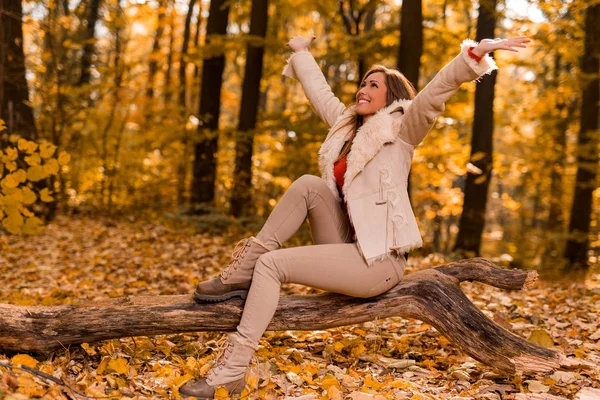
<point>433,296</point>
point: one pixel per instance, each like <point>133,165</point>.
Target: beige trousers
<point>333,263</point>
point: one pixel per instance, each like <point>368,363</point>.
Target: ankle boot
<point>235,279</point>
<point>229,370</point>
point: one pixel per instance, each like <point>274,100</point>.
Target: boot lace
<point>238,252</point>
<point>224,350</point>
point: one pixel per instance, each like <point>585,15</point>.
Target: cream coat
<point>375,182</point>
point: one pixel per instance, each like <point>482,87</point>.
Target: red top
<point>339,169</point>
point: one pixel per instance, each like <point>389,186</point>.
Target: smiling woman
<point>359,211</point>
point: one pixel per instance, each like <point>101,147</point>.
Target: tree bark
<point>155,55</point>
<point>432,295</point>
<point>242,176</point>
<point>411,48</point>
<point>205,160</point>
<point>14,96</point>
<point>183,63</point>
<point>411,41</point>
<point>472,220</point>
<point>89,39</point>
<point>587,145</point>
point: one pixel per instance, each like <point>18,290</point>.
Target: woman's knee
<point>307,182</point>
<point>266,267</point>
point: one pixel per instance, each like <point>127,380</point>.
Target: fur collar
<point>381,128</point>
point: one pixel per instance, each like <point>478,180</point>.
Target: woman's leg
<point>333,267</point>
<point>308,196</point>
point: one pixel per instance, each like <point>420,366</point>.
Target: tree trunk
<point>205,160</point>
<point>475,199</point>
<point>14,96</point>
<point>411,40</point>
<point>242,176</point>
<point>411,47</point>
<point>89,39</point>
<point>587,144</point>
<point>432,295</point>
<point>153,65</point>
<point>183,62</point>
<point>173,25</point>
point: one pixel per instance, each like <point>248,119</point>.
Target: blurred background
<point>178,109</point>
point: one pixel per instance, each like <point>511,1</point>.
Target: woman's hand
<point>298,43</point>
<point>487,45</point>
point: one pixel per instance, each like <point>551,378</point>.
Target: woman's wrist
<point>475,53</point>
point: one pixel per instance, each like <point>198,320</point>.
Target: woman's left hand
<point>487,45</point>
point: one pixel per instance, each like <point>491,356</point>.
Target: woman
<point>359,211</point>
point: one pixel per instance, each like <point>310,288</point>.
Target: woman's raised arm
<point>302,66</point>
<point>472,63</point>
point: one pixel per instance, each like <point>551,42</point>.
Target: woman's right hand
<point>298,43</point>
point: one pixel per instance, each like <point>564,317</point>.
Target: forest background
<point>154,106</point>
<point>139,133</point>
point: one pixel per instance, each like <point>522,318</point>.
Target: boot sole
<point>213,298</point>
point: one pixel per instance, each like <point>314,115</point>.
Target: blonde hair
<point>398,87</point>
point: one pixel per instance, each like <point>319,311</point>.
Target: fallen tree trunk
<point>432,295</point>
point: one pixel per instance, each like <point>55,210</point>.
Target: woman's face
<point>372,95</point>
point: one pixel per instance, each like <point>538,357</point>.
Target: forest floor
<point>81,258</point>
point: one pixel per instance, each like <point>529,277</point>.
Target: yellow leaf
<point>11,154</point>
<point>26,213</point>
<point>2,126</point>
<point>541,337</point>
<point>329,381</point>
<point>88,349</point>
<point>480,179</point>
<point>26,146</point>
<point>63,158</point>
<point>32,226</point>
<point>338,346</point>
<point>29,196</point>
<point>11,165</point>
<point>24,359</point>
<point>36,173</point>
<point>13,138</point>
<point>221,393</point>
<point>478,156</point>
<point>45,195</point>
<point>9,182</point>
<point>358,350</point>
<point>103,365</point>
<point>177,382</point>
<point>33,159</point>
<point>334,393</point>
<point>13,222</point>
<point>118,365</point>
<point>47,149</point>
<point>51,166</point>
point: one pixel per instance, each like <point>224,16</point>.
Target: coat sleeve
<point>303,67</point>
<point>430,102</point>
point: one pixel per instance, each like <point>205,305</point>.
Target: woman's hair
<point>398,87</point>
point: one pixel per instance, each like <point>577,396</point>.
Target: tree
<point>15,108</point>
<point>411,45</point>
<point>587,144</point>
<point>242,177</point>
<point>89,39</point>
<point>433,296</point>
<point>205,161</point>
<point>353,18</point>
<point>472,219</point>
<point>153,66</point>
